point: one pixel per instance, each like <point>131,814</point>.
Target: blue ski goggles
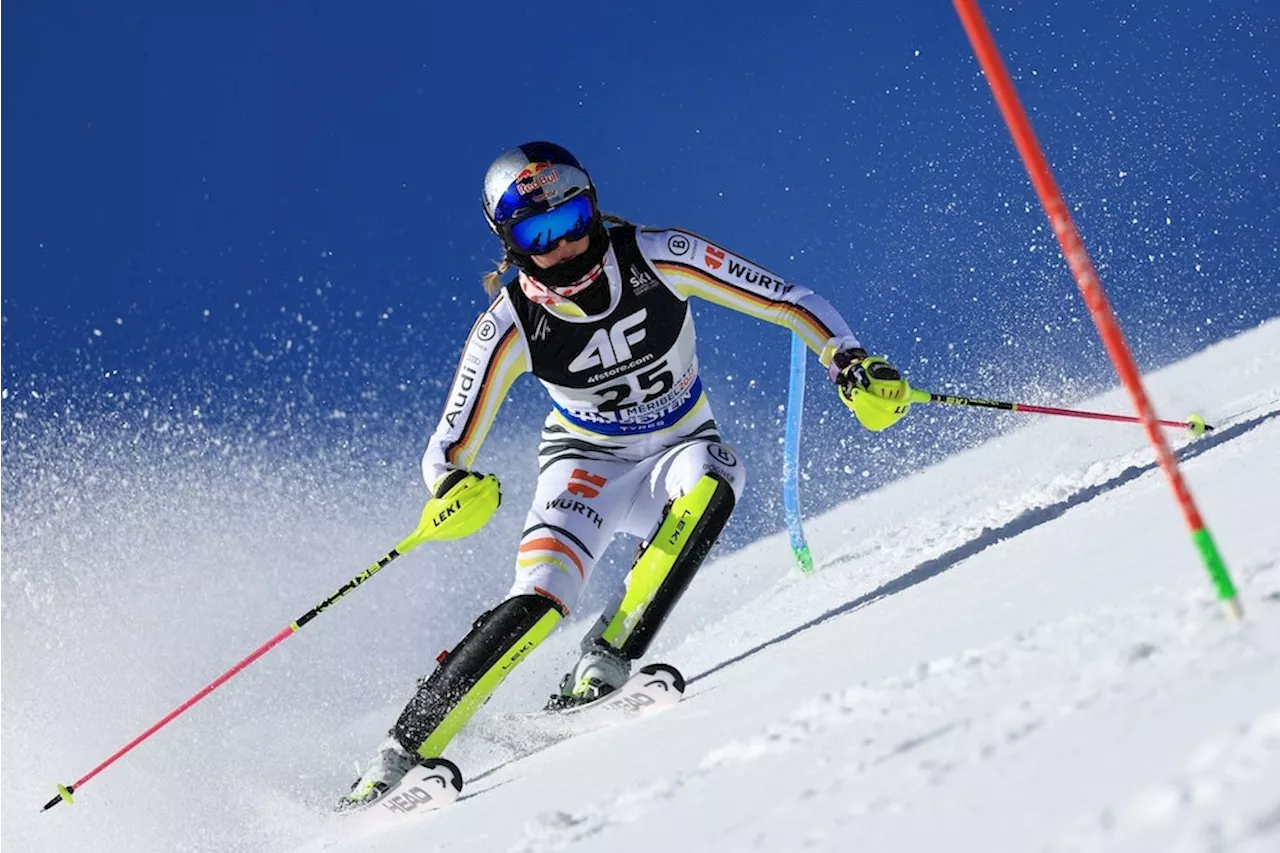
<point>542,232</point>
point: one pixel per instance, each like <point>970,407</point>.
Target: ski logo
<point>433,784</point>
<point>713,258</point>
<point>633,701</point>
<point>584,484</point>
<point>446,512</point>
<point>407,801</point>
<point>577,506</point>
<point>515,657</point>
<point>463,384</point>
<point>655,687</point>
<point>610,347</point>
<point>753,276</point>
<point>680,526</point>
<point>641,281</point>
<point>723,454</point>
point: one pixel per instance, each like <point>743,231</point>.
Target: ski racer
<point>599,313</point>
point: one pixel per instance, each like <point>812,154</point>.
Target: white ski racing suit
<point>631,427</point>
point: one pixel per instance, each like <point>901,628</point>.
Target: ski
<point>430,786</point>
<point>656,687</point>
<point>437,782</point>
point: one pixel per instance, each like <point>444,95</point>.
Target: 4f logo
<point>612,346</point>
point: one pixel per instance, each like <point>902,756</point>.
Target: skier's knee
<point>516,612</point>
<point>728,466</point>
<point>711,458</point>
<point>707,507</point>
<point>552,564</point>
<point>667,564</point>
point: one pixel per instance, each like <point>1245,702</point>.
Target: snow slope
<point>1014,650</point>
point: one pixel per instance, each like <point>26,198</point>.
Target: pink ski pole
<point>1194,423</point>
<point>413,540</point>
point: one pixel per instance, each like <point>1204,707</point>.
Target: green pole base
<point>1217,571</point>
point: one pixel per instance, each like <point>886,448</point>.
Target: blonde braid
<point>493,280</point>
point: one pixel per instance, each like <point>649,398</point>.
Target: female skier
<point>599,313</point>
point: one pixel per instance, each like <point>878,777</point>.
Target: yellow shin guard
<point>468,675</point>
<point>669,561</point>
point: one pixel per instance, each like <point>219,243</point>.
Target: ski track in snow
<point>1080,669</point>
<point>1220,768</point>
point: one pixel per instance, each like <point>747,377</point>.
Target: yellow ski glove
<point>872,388</point>
<point>462,502</point>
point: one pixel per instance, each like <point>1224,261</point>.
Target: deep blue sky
<point>263,219</point>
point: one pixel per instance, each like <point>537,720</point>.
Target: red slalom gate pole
<point>1095,298</point>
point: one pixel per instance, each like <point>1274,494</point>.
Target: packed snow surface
<point>1016,649</point>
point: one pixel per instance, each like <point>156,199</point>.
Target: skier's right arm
<point>494,355</point>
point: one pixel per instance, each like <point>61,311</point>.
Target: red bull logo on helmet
<point>535,176</point>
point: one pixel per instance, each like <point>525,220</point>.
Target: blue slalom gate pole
<point>791,456</point>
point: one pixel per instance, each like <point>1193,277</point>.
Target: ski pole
<point>411,541</point>
<point>1194,423</point>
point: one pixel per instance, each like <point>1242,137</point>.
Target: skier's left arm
<point>694,266</point>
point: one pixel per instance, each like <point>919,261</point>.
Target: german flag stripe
<point>541,559</point>
<point>457,370</point>
<point>504,370</point>
<point>547,543</point>
<point>735,293</point>
<point>804,322</point>
<point>562,532</point>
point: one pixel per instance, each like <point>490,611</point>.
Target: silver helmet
<point>534,178</point>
